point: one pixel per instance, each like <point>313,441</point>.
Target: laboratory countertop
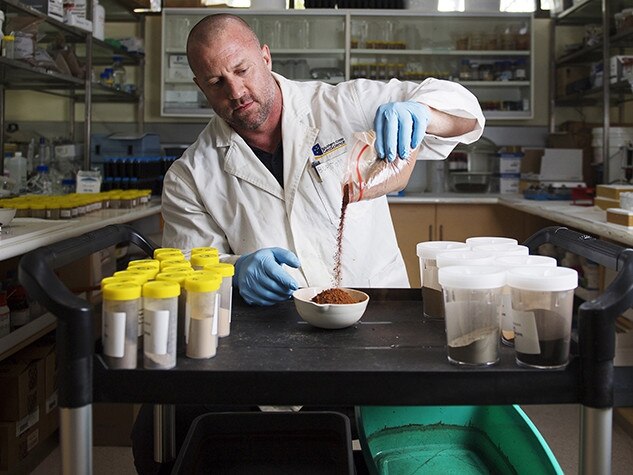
<point>589,219</point>
<point>25,234</point>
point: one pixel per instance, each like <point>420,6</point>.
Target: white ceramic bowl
<point>330,316</point>
<point>6,215</point>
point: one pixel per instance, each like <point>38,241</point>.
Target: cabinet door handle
<point>441,232</point>
<point>430,232</point>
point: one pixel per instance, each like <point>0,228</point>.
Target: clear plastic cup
<point>510,262</point>
<point>472,295</point>
<point>542,304</point>
<point>432,303</point>
<point>484,240</point>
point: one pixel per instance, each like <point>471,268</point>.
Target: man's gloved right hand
<point>262,280</point>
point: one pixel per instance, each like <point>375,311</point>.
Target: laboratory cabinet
<point>489,54</point>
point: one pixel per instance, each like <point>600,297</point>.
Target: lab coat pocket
<point>327,178</point>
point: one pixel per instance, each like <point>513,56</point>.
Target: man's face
<point>233,72</point>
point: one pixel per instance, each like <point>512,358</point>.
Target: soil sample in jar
<point>553,341</point>
<point>479,347</point>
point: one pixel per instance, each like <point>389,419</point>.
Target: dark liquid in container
<point>554,348</point>
<point>554,353</point>
<point>432,303</point>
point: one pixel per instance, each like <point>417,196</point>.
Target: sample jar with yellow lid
<point>144,262</point>
<point>227,271</point>
<point>198,261</point>
<point>179,276</point>
<point>160,309</point>
<point>166,250</point>
<point>201,322</point>
<point>119,327</point>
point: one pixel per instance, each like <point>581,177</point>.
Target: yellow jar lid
<point>149,270</point>
<point>200,260</point>
<point>204,250</point>
<point>176,276</point>
<point>144,262</point>
<point>115,280</point>
<point>173,266</point>
<point>203,283</point>
<point>142,276</point>
<point>223,268</point>
<point>164,250</point>
<point>169,262</point>
<point>161,289</point>
<point>122,291</point>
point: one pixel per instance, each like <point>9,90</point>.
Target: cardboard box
<point>604,203</point>
<point>44,350</point>
<point>568,75</point>
<point>22,384</point>
<point>552,164</point>
<point>52,8</point>
<point>510,163</point>
<point>612,191</point>
<point>15,446</point>
<point>620,216</point>
<point>509,183</point>
<point>621,68</point>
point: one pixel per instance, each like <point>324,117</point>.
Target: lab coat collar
<point>298,136</point>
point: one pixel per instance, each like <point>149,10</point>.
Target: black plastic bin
<point>264,443</point>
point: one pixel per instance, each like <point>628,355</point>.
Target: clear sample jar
<point>160,309</point>
<point>432,303</point>
<point>510,262</point>
<point>141,278</point>
<point>119,328</point>
<point>542,306</point>
<point>198,261</point>
<point>472,295</point>
<point>179,277</point>
<point>202,315</point>
<point>226,271</point>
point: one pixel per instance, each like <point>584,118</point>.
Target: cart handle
<point>75,346</point>
<point>596,318</point>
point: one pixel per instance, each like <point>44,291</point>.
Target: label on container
<point>156,331</point>
<point>216,314</point>
<point>525,333</point>
<point>113,334</point>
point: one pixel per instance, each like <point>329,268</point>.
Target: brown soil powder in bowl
<point>333,296</point>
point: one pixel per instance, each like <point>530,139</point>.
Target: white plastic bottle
<point>98,20</point>
<point>17,167</point>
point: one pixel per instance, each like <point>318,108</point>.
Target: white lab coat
<point>220,194</point>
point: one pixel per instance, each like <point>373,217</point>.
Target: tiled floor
<point>558,424</point>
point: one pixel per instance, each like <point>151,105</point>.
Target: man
<point>263,182</point>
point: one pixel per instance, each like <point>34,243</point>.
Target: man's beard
<point>247,123</point>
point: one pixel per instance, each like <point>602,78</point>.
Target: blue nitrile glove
<point>400,127</point>
<point>261,279</point>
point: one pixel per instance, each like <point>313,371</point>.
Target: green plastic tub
<point>445,440</point>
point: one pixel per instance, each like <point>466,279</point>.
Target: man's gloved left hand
<point>400,127</point>
<point>261,278</point>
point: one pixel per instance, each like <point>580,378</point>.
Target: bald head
<point>214,27</point>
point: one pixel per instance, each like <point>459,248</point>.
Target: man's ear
<point>267,57</point>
